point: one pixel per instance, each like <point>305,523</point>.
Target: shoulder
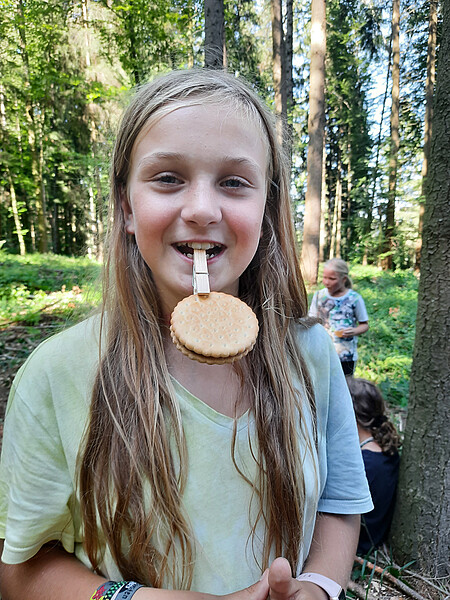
<point>317,349</point>
<point>355,296</point>
<point>312,339</point>
<point>322,293</point>
<point>66,356</point>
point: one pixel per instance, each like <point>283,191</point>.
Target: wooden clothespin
<point>200,277</point>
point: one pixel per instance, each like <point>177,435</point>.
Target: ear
<point>127,213</point>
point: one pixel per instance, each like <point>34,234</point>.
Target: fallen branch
<point>359,591</point>
<point>413,574</point>
<point>383,573</point>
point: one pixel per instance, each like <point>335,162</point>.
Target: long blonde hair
<point>126,455</point>
<point>339,266</point>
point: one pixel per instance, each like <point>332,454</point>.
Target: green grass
<point>35,286</point>
<point>385,351</point>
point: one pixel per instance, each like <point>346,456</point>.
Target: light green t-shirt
<point>47,414</point>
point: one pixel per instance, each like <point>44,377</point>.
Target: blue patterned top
<point>339,313</point>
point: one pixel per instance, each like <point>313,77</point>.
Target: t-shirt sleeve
<point>36,490</point>
<point>343,484</point>
<point>361,311</point>
<point>313,310</point>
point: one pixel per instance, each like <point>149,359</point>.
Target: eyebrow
<point>237,160</point>
<point>151,158</point>
<point>241,160</point>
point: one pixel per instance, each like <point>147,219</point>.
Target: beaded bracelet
<point>116,590</point>
<point>112,592</point>
<point>127,590</point>
<point>100,592</point>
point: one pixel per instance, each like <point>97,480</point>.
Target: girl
<point>124,460</point>
<point>380,442</point>
<point>342,311</point>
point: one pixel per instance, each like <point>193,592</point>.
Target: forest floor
<point>17,341</point>
<point>380,579</point>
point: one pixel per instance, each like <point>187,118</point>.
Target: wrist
<point>312,591</point>
<point>332,589</point>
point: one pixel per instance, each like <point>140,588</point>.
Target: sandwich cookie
<point>212,327</point>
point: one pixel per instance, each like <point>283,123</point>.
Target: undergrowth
<point>385,351</point>
<point>37,286</point>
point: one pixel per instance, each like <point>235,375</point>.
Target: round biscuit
<point>218,325</point>
<point>210,360</point>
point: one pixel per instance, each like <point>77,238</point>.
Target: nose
<point>202,205</point>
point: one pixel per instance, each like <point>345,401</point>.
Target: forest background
<point>67,69</point>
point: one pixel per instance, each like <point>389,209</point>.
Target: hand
<point>257,591</point>
<point>348,332</point>
<point>282,586</point>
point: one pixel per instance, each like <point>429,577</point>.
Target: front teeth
<point>200,246</point>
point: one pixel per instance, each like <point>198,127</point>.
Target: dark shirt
<point>382,475</point>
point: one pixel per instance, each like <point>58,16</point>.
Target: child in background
<point>130,468</point>
<point>342,311</point>
<point>380,442</point>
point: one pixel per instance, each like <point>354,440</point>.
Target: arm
<point>352,331</point>
<point>332,551</point>
<point>53,574</point>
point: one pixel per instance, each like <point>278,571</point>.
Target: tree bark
<point>387,261</point>
<point>12,189</point>
<point>288,78</point>
<point>421,526</point>
<point>316,126</point>
<point>429,92</point>
<point>278,67</point>
<point>214,34</point>
<point>15,212</point>
<point>34,136</point>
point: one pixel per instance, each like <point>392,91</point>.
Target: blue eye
<point>233,183</point>
<point>168,179</point>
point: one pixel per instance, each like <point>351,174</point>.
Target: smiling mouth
<point>187,248</point>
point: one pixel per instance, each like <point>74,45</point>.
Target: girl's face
<point>334,282</point>
<point>197,175</point>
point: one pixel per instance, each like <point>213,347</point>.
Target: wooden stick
<point>359,591</point>
<point>383,573</point>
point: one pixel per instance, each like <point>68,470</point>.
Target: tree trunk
<point>316,125</point>
<point>15,212</point>
<point>348,232</point>
<point>33,136</point>
<point>323,209</point>
<point>214,34</point>
<point>288,79</point>
<point>387,261</point>
<point>421,526</point>
<point>429,91</point>
<point>85,15</point>
<point>278,67</point>
<point>12,190</point>
<point>338,249</point>
<point>332,253</point>
<point>100,216</point>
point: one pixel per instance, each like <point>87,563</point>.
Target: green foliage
<point>38,285</point>
<point>350,30</point>
<point>385,351</point>
<point>35,286</point>
<point>244,48</point>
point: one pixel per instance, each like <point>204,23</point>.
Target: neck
<point>363,433</point>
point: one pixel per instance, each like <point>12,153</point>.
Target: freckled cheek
<point>150,216</point>
<point>249,234</point>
